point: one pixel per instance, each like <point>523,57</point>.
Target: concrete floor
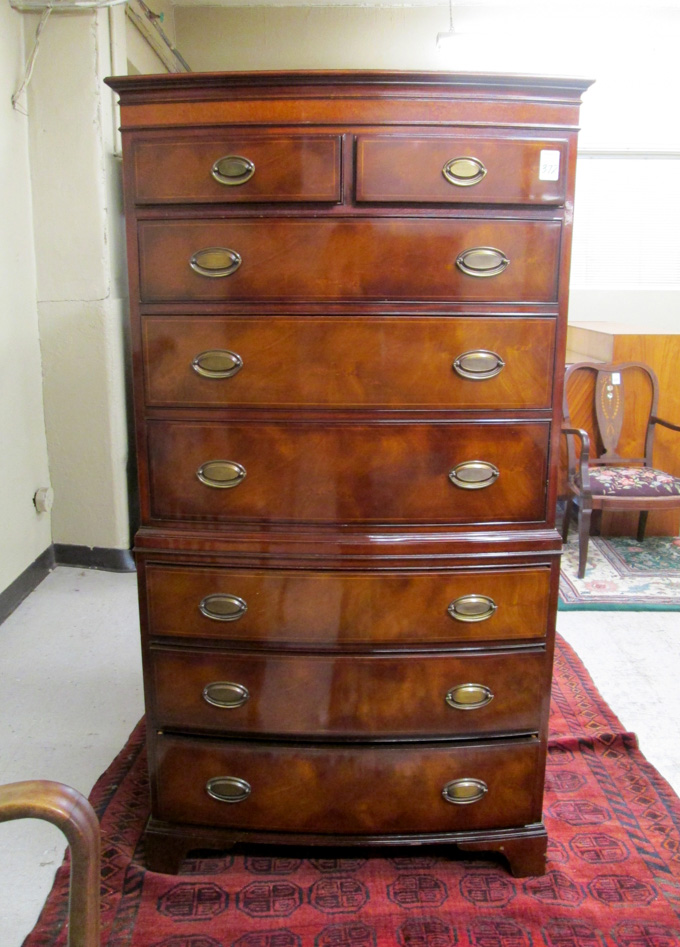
<point>70,693</point>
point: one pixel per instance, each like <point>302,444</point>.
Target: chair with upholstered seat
<point>601,478</point>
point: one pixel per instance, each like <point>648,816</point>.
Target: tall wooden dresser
<point>348,295</point>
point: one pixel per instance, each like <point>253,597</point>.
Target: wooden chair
<point>601,478</point>
<point>72,813</point>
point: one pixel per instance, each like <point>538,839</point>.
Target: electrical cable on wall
<point>30,62</point>
<point>48,7</point>
<point>146,21</point>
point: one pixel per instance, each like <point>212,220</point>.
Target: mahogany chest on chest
<point>348,296</point>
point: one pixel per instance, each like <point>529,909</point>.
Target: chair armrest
<point>583,457</point>
<point>72,813</point>
<point>673,427</point>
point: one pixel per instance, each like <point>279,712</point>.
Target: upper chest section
<point>348,138</point>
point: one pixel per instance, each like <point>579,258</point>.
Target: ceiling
<point>311,3</point>
<point>589,6</point>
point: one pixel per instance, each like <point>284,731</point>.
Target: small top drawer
<point>237,169</point>
<point>461,170</point>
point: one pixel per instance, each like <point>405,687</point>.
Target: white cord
<point>30,62</point>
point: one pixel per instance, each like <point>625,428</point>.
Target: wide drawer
<point>347,609</point>
<point>347,790</point>
<point>349,472</point>
<point>430,259</point>
<point>370,696</point>
<point>460,362</point>
<point>236,169</point>
<point>456,169</point>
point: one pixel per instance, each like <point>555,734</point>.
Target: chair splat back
<point>612,395</point>
<point>609,409</point>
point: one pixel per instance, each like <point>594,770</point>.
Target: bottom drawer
<point>365,790</point>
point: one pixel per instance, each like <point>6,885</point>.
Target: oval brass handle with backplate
<point>464,171</point>
<point>471,608</point>
<point>228,789</point>
<point>222,607</point>
<point>469,696</point>
<point>478,365</point>
<point>474,474</point>
<point>225,694</point>
<point>463,792</point>
<point>221,474</point>
<point>232,170</point>
<point>217,363</point>
<point>482,262</point>
<point>215,262</point>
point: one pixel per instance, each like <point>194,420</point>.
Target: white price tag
<point>616,378</point>
<point>549,167</point>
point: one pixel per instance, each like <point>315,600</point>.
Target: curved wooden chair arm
<point>72,813</point>
<point>655,420</point>
<point>583,457</point>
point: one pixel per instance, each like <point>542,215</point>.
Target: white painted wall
<point>63,284</point>
<point>626,238</point>
<point>23,449</point>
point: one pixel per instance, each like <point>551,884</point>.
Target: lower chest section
<point>337,703</point>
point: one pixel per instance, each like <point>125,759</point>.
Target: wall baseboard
<point>62,554</point>
<point>24,584</point>
<point>94,557</point>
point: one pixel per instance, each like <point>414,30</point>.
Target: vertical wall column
<point>23,450</point>
<point>80,278</point>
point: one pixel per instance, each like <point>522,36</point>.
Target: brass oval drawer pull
<point>217,363</point>
<point>474,474</point>
<point>464,171</point>
<point>478,365</point>
<point>215,262</point>
<point>232,170</point>
<point>482,262</point>
<point>469,696</point>
<point>463,792</point>
<point>221,474</point>
<point>472,608</point>
<point>222,607</point>
<point>228,789</point>
<point>225,694</point>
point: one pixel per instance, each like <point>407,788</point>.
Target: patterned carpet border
<point>622,575</point>
<point>613,876</point>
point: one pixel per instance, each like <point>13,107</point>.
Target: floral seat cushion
<point>633,482</point>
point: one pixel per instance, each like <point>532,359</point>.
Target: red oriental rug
<point>613,871</point>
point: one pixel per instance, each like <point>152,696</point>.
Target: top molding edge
<point>212,84</point>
